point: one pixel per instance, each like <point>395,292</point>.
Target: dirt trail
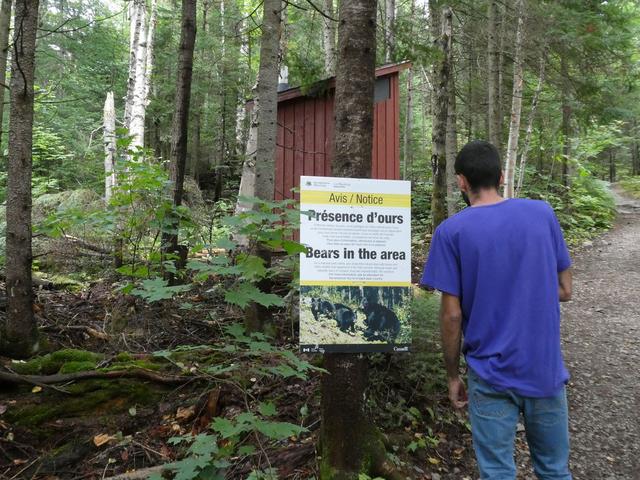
<point>601,336</point>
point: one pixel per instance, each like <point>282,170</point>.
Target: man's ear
<point>501,179</point>
<point>463,185</point>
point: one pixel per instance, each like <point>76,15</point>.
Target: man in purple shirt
<point>502,266</point>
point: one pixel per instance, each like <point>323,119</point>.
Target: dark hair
<point>479,162</point>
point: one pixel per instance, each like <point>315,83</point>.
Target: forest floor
<point>100,428</point>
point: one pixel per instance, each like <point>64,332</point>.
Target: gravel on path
<point>601,337</point>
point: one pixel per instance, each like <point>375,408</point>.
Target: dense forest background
<point>585,114</point>
<point>165,304</point>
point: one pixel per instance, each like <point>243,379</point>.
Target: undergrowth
<point>631,185</point>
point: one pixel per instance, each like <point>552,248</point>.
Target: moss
<point>89,398</point>
<point>72,367</point>
<point>53,362</point>
<point>64,282</point>
<point>124,357</point>
<point>146,364</point>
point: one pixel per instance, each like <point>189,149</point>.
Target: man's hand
<point>458,393</point>
<point>565,285</point>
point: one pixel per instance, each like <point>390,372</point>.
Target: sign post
<point>355,276</point>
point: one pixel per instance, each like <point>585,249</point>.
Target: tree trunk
<point>21,334</point>
<point>501,22</point>
<point>258,171</point>
<point>516,108</point>
<point>493,81</point>
<point>196,149</point>
<point>635,150</point>
<point>389,33</point>
<point>407,154</point>
<point>439,128</point>
<point>532,115</point>
<point>258,176</point>
<point>144,62</point>
<point>267,128</point>
<point>148,70</point>
<point>283,76</point>
<point>408,129</point>
<point>612,166</point>
<point>566,118</point>
<point>329,40</point>
<point>348,438</point>
<point>109,135</point>
<point>451,141</point>
<point>179,128</point>
<point>5,21</point>
<point>435,30</point>
<point>136,17</point>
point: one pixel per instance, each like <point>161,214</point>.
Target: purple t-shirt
<point>503,260</point>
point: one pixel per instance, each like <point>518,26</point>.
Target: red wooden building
<point>305,141</point>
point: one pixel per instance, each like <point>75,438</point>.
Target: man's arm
<point>451,330</point>
<point>565,284</point>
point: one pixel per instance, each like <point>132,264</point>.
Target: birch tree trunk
<point>5,21</point>
<point>439,128</point>
<point>349,443</point>
<point>138,105</point>
<point>516,108</point>
<point>389,33</point>
<point>329,39</point>
<point>179,128</point>
<point>135,27</point>
<point>532,115</point>
<point>20,336</point>
<point>283,76</point>
<point>148,69</point>
<point>493,80</point>
<point>109,135</point>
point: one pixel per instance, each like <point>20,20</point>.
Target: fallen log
<point>86,245</point>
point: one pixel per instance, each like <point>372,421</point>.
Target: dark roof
<point>330,82</point>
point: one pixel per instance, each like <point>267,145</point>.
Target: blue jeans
<point>494,416</point>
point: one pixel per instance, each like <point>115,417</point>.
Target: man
<point>502,266</point>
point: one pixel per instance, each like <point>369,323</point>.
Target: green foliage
<point>209,454</point>
<point>584,210</point>
<point>631,185</point>
<point>156,289</point>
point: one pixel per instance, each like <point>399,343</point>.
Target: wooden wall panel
<point>289,126</point>
<point>306,138</point>
<point>279,177</point>
<point>309,136</point>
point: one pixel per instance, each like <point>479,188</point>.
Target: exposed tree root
<point>9,377</point>
<point>143,473</point>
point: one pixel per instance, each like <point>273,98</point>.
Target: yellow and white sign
<point>358,238</point>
